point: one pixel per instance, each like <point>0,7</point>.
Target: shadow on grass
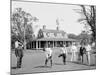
<point>13,67</point>
<point>80,63</point>
<point>58,64</point>
<point>43,67</point>
<point>89,65</point>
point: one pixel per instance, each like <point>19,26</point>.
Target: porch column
<point>47,44</point>
<point>53,44</point>
<point>63,43</point>
<point>36,44</point>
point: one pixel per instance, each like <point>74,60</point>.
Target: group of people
<point>85,50</point>
<point>76,53</point>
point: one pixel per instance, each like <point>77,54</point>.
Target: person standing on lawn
<point>74,51</point>
<point>88,53</point>
<point>48,53</point>
<point>82,52</point>
<point>63,54</point>
<point>19,53</point>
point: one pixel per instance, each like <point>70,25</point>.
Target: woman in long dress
<point>74,53</point>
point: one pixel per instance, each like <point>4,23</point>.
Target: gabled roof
<point>53,31</point>
<point>56,39</point>
<point>53,38</point>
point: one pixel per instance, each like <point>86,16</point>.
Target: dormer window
<point>55,34</point>
<point>48,34</point>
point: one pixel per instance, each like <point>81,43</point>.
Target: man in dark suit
<point>82,52</point>
<point>19,53</point>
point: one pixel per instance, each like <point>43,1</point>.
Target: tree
<point>89,18</point>
<point>72,36</point>
<point>84,37</point>
<point>22,25</point>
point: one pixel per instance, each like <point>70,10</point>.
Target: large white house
<point>50,38</point>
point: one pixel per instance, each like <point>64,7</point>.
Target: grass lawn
<point>33,62</point>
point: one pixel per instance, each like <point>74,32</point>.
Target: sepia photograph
<point>52,37</point>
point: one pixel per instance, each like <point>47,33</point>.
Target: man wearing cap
<point>18,53</point>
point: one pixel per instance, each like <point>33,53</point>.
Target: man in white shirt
<point>48,53</point>
<point>16,44</point>
<point>16,48</point>
<point>88,53</point>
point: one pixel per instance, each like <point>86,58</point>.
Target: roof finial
<point>57,22</point>
<point>44,26</point>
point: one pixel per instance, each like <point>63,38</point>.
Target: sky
<point>49,13</point>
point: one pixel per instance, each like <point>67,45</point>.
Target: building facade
<point>50,38</point>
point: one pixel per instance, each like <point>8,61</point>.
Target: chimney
<point>57,28</point>
<point>44,26</point>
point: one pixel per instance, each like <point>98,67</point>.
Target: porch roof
<point>55,39</point>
